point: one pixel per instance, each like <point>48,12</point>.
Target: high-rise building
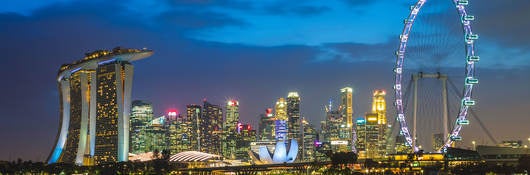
<point>157,135</point>
<point>293,114</point>
<point>230,134</point>
<point>372,130</point>
<point>401,146</point>
<point>211,128</point>
<point>346,105</point>
<point>179,134</point>
<point>280,109</point>
<point>232,115</point>
<point>335,134</point>
<point>267,126</point>
<point>437,140</point>
<point>95,107</point>
<point>346,110</point>
<point>309,139</point>
<point>373,136</point>
<point>360,127</point>
<point>281,125</point>
<point>141,115</point>
<point>245,136</point>
<point>193,117</point>
<point>379,106</point>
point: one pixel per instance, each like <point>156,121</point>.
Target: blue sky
<point>254,51</point>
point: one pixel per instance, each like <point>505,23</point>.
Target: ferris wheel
<point>469,81</point>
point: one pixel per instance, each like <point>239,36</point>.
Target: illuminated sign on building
<point>339,142</point>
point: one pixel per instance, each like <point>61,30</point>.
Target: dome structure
<point>193,156</point>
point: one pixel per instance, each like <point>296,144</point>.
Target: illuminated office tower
<point>179,139</point>
<point>437,140</point>
<point>346,110</point>
<point>267,126</point>
<point>379,106</point>
<point>346,105</point>
<point>211,128</point>
<point>337,134</point>
<point>95,95</point>
<point>281,120</point>
<point>373,136</point>
<point>141,115</point>
<point>245,135</point>
<point>401,147</point>
<point>360,127</point>
<point>309,136</point>
<point>230,129</point>
<point>157,134</point>
<point>293,114</point>
<point>193,117</point>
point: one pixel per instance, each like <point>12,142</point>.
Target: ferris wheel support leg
<point>445,108</point>
<point>415,112</point>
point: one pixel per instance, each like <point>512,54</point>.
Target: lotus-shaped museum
<point>284,152</point>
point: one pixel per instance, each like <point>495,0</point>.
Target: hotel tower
<point>95,103</point>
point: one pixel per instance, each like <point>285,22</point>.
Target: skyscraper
<point>193,117</point>
<point>346,105</point>
<point>360,127</point>
<point>376,135</point>
<point>308,144</point>
<point>281,125</point>
<point>179,134</point>
<point>267,126</point>
<point>379,106</point>
<point>293,114</point>
<point>95,107</point>
<point>211,128</point>
<point>346,110</point>
<point>245,135</point>
<point>141,115</point>
<point>230,129</point>
<point>232,115</point>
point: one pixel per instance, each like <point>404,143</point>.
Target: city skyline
<point>194,60</point>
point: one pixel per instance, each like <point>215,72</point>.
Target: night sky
<point>251,51</point>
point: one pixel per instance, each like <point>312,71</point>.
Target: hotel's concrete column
<point>83,131</point>
<point>64,85</point>
<point>93,109</point>
<point>124,73</point>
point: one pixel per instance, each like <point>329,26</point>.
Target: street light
<point>474,147</point>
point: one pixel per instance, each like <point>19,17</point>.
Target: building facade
<point>281,126</point>
<point>230,128</point>
<point>193,117</point>
<point>141,115</point>
<point>267,126</point>
<point>293,115</point>
<point>309,137</point>
<point>211,128</point>
<point>179,135</point>
<point>95,95</point>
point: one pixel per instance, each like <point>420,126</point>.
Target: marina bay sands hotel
<point>95,100</point>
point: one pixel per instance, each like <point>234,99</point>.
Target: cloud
<point>231,4</point>
<point>505,21</point>
<point>357,2</point>
<point>193,20</point>
<point>294,9</point>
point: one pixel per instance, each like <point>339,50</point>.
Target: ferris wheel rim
<point>471,59</point>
